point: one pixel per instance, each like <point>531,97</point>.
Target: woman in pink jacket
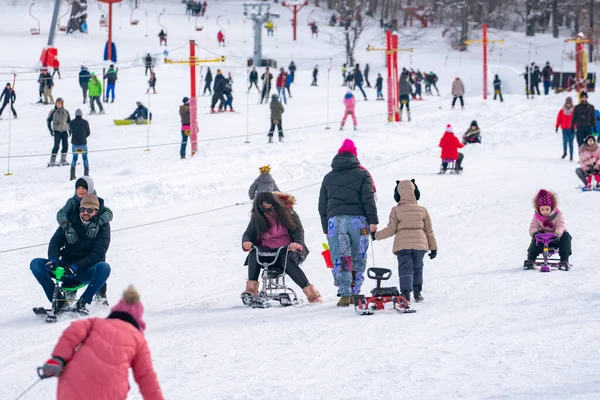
<point>350,103</point>
<point>589,162</point>
<point>93,356</point>
<point>548,219</point>
<point>563,120</point>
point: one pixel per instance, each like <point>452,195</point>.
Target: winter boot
<point>212,109</point>
<point>564,155</point>
<point>589,182</point>
<point>252,288</point>
<point>101,299</point>
<point>400,113</point>
<point>406,295</point>
<point>281,138</point>
<point>355,127</point>
<point>86,171</point>
<point>408,115</point>
<point>52,162</point>
<point>417,293</point>
<point>528,264</point>
<point>312,294</point>
<point>270,139</point>
<point>63,159</point>
<point>345,301</point>
<point>80,307</point>
<point>73,177</point>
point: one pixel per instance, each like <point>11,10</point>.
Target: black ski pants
<point>292,269</point>
<point>458,163</point>
<point>12,108</point>
<point>563,244</point>
<point>84,90</point>
<point>207,87</point>
<point>97,100</point>
<point>265,93</point>
<point>148,68</point>
<point>462,102</point>
<point>60,137</point>
<point>272,129</point>
<point>218,96</point>
<point>255,84</point>
<point>581,134</point>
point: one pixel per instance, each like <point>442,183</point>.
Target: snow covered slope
<point>487,329</point>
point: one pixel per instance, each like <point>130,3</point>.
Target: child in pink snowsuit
<point>350,103</point>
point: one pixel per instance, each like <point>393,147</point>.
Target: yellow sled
<point>130,122</point>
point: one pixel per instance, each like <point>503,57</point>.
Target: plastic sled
<point>380,296</point>
<point>61,294</point>
<point>545,262</point>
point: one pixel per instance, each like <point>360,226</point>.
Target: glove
<point>556,130</point>
<point>373,236</point>
<point>51,264</point>
<point>70,271</point>
<point>70,133</point>
<point>92,230</point>
<point>52,368</point>
<point>70,233</point>
<point>432,254</point>
<point>51,132</point>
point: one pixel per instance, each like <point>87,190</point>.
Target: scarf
<point>547,221</point>
<point>567,110</point>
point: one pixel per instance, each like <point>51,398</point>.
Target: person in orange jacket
<point>450,145</point>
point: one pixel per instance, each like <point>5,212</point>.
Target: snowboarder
<point>589,162</point>
<point>473,134</point>
<point>358,80</point>
<point>162,36</point>
<point>431,80</point>
<point>458,90</point>
<point>547,77</point>
<point>350,104</point>
<point>266,77</point>
<point>84,80</point>
<point>379,87</point>
<point>547,218</point>
<point>498,88</point>
<point>292,69</point>
<point>584,116</point>
<point>79,130</point>
<point>47,83</point>
<point>152,83</point>
<point>219,90</point>
<point>82,261</point>
<point>276,113</point>
<point>263,183</point>
<point>221,39</point>
<point>410,224</point>
<point>270,27</point>
<point>8,96</point>
<point>563,120</point>
<point>450,145</point>
<point>367,69</point>
<point>274,223</point>
<point>95,93</point>
<point>141,113</point>
<point>253,79</point>
<point>208,81</point>
<point>315,74</point>
<point>405,92</point>
<point>280,83</point>
<point>184,113</point>
<point>58,124</point>
<point>148,62</point>
<point>348,213</point>
<point>111,79</point>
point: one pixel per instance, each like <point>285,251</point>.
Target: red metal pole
<point>109,48</point>
<point>388,59</point>
<point>294,21</point>
<point>396,89</point>
<point>485,71</point>
<point>193,100</point>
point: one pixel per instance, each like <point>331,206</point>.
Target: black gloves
<point>556,130</point>
<point>51,132</point>
<point>373,236</point>
<point>432,254</point>
<point>51,264</point>
<point>92,230</point>
<point>70,233</point>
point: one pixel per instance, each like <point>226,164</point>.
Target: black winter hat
<point>81,182</point>
<point>185,100</point>
<point>583,94</point>
<point>474,123</point>
<point>397,195</point>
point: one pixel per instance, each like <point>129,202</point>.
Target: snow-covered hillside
<point>487,330</point>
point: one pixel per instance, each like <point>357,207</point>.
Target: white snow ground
<point>488,330</point>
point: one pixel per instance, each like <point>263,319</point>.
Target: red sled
<point>380,296</point>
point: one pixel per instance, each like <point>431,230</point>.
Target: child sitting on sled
<point>473,134</point>
<point>589,162</point>
<point>547,218</point>
<point>450,145</point>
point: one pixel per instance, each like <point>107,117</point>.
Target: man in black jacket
<point>111,80</point>
<point>208,81</point>
<point>266,77</point>
<point>348,213</point>
<point>80,130</point>
<point>584,117</point>
<point>83,261</point>
<point>9,96</point>
<point>253,78</point>
<point>219,90</point>
<point>84,80</point>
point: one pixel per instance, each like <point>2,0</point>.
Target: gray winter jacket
<point>59,120</point>
<point>264,183</point>
<point>405,88</point>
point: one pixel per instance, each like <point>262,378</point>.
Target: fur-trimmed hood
<point>288,200</point>
<point>534,201</point>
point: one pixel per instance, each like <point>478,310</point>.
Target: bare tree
<point>355,22</point>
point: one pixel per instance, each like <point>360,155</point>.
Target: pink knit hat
<point>131,304</point>
<point>348,147</point>
<point>449,128</point>
<point>544,198</point>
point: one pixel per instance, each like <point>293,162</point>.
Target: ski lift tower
<point>259,13</point>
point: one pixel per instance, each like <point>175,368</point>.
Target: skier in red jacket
<point>221,39</point>
<point>450,145</point>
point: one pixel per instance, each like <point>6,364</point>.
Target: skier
<point>280,85</point>
<point>315,74</point>
<point>263,183</point>
<point>314,30</point>
<point>184,113</point>
<point>288,83</point>
<point>253,79</point>
<point>379,87</point>
<point>458,90</point>
<point>148,63</point>
<point>79,130</point>
<point>417,82</point>
<point>292,68</point>
<point>47,83</point>
<point>535,78</point>
<point>344,72</point>
<point>563,120</point>
<point>497,88</point>
<point>84,80</point>
<point>83,261</point>
<point>473,134</point>
<point>410,224</point>
<point>9,96</point>
<point>548,219</point>
<point>266,77</point>
<point>162,37</point>
<point>547,77</point>
<point>221,39</point>
<point>227,93</point>
<point>41,84</point>
<point>208,80</point>
<point>276,113</point>
<point>56,70</point>
<point>120,340</point>
<point>152,83</point>
<point>58,124</point>
<point>219,90</point>
<point>367,69</point>
<point>270,28</point>
<point>584,116</point>
<point>273,224</point>
<point>431,80</point>
<point>348,213</point>
<point>350,104</point>
<point>589,162</point>
<point>358,80</point>
<point>95,93</point>
<point>141,113</point>
<point>111,80</point>
<point>405,91</point>
<point>450,145</point>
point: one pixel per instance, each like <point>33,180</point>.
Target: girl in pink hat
<point>350,103</point>
<point>93,356</point>
<point>547,218</point>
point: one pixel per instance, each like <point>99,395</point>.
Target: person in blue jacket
<point>140,113</point>
<point>288,82</point>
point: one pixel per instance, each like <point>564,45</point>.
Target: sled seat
<point>382,274</point>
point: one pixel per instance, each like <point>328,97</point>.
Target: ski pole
<point>29,388</point>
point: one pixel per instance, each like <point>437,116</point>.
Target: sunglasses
<point>84,210</point>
